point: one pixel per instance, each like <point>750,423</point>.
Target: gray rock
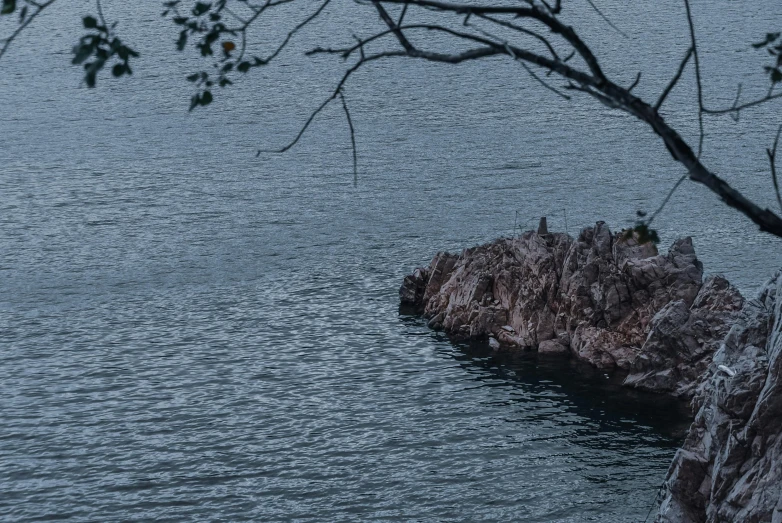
<point>683,339</point>
<point>605,298</point>
<point>730,466</point>
<point>552,347</point>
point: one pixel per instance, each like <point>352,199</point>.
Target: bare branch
<point>674,80</point>
<point>352,137</point>
<point>336,93</point>
<point>293,31</point>
<point>533,13</point>
<point>772,158</point>
<point>536,77</point>
<point>697,77</point>
<point>635,82</point>
<point>665,201</point>
<point>522,30</point>
<point>391,25</point>
<point>24,24</point>
<point>609,22</point>
<point>736,108</point>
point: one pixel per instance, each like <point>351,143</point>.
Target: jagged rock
<point>682,339</point>
<point>599,296</point>
<point>413,288</point>
<point>730,467</point>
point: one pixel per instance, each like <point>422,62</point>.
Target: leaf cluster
<point>99,47</point>
<point>204,23</point>
<point>772,43</point>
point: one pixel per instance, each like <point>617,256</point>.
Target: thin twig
<point>772,158</point>
<point>542,81</point>
<point>522,30</point>
<point>100,14</point>
<point>336,93</point>
<point>293,31</point>
<point>635,82</point>
<point>402,15</point>
<point>668,197</point>
<point>604,17</point>
<point>697,76</point>
<point>674,80</point>
<point>352,137</point>
<point>23,25</point>
<point>737,108</point>
<point>393,26</point>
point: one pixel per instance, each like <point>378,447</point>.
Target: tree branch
<point>24,24</point>
<point>534,13</point>
<point>737,108</point>
<point>772,158</point>
<point>392,25</point>
<point>352,137</point>
<point>606,19</point>
<point>674,80</point>
<point>697,76</point>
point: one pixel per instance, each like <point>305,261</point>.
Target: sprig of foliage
<point>204,20</point>
<point>773,45</point>
<point>100,46</point>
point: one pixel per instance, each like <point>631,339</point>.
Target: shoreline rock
<point>601,297</point>
<point>730,466</point>
<point>616,304</point>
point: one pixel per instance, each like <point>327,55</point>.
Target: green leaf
<point>776,76</point>
<point>118,70</point>
<point>90,22</point>
<point>201,8</point>
<point>182,41</point>
<point>206,98</point>
<point>82,52</point>
<point>90,78</point>
<point>9,6</point>
<point>193,77</point>
<point>243,67</point>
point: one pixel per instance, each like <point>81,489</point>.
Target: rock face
<point>603,298</point>
<point>730,467</point>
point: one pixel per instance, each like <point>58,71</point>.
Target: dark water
<point>188,332</point>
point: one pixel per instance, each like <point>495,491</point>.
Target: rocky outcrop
<point>730,467</point>
<point>682,340</point>
<point>603,298</point>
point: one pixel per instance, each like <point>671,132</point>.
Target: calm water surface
<point>188,332</point>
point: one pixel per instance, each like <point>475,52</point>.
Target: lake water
<point>188,332</point>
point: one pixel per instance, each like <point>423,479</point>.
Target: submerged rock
<point>730,467</point>
<point>604,298</point>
